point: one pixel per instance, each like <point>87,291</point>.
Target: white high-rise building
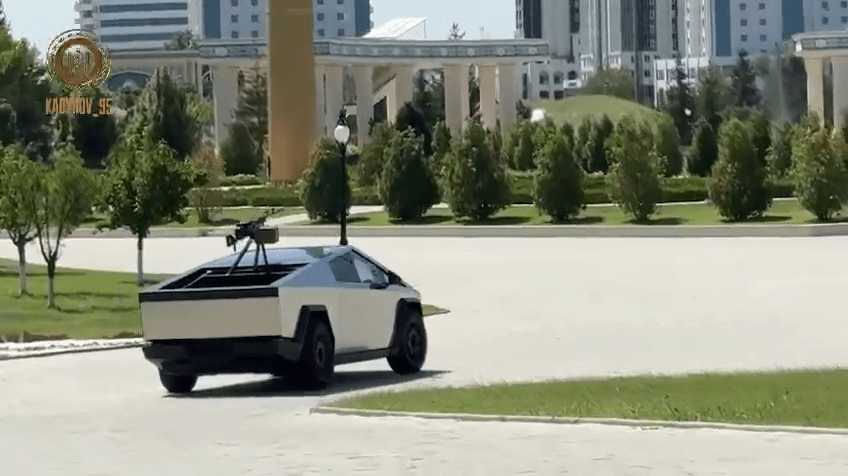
<point>138,24</point>
<point>823,15</point>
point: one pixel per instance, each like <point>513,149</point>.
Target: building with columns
<point>825,53</point>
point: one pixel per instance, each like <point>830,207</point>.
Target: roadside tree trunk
<point>51,275</point>
<point>22,269</point>
<point>140,258</point>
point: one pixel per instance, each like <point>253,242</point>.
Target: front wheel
<point>316,365</point>
<point>410,347</point>
<point>177,383</point>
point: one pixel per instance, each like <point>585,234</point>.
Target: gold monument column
<point>291,88</point>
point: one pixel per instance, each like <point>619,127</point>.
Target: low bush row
<point>677,189</point>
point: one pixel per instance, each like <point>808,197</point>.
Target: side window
<point>344,270</point>
<point>368,273</point>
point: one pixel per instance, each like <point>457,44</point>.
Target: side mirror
<point>394,279</point>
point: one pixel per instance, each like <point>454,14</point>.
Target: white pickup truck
<point>298,314</point>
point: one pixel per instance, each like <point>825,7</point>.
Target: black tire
<point>410,346</point>
<point>177,383</point>
<point>316,364</point>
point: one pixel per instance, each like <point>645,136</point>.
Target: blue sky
<point>40,20</point>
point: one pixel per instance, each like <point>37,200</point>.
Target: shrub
<point>441,145</point>
<point>206,198</point>
<point>407,186</point>
<point>818,171</point>
<point>320,186</point>
<point>371,159</point>
<point>779,157</point>
<point>558,184</point>
<point>634,180</point>
<point>596,150</point>
<point>476,181</point>
<point>239,153</point>
<point>703,152</point>
<point>668,146</point>
<point>522,152</point>
<point>738,185</point>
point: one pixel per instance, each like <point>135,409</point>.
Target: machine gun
<point>255,233</point>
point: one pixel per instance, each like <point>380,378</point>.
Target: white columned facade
<point>815,86</point>
<point>487,75</point>
<point>226,91</point>
<point>333,88</point>
<point>320,102</point>
<point>403,89</point>
<point>507,94</point>
<point>363,76</point>
<point>456,97</point>
<point>840,89</point>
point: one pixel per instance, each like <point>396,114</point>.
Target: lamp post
<point>342,135</point>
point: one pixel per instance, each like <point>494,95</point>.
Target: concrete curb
<point>573,231</point>
<point>50,353</point>
<point>643,424</point>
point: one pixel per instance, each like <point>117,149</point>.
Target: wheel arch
<point>403,306</point>
<point>307,314</point>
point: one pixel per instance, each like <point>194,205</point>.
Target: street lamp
<point>342,135</point>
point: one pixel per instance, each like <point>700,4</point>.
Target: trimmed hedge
<point>678,189</point>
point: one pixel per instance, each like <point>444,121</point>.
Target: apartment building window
<point>320,32</point>
<point>320,2</point>
<point>844,19</point>
<point>341,32</point>
<point>647,73</point>
<point>234,34</point>
<point>825,20</point>
<point>762,6</point>
<point>255,3</point>
<point>254,34</point>
<point>744,38</point>
<point>743,22</point>
<point>762,21</point>
<point>743,6</point>
<point>660,75</point>
<point>843,4</point>
<point>320,17</point>
<point>340,16</point>
<point>234,3</point>
<point>824,6</point>
<point>254,18</point>
<point>340,2</point>
<point>234,18</point>
<point>763,38</point>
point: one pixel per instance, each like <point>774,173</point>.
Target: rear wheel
<point>316,364</point>
<point>410,347</point>
<point>177,383</point>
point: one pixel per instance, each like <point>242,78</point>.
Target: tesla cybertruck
<point>296,313</point>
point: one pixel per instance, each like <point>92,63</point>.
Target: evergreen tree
<point>743,83</point>
<point>407,186</point>
<point>558,181</point>
<point>710,98</point>
<point>681,105</point>
<point>738,184</point>
<point>252,108</point>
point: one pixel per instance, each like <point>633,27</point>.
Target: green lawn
<point>573,109</point>
<point>781,212</point>
<point>806,398</point>
<point>91,304</point>
<point>227,217</point>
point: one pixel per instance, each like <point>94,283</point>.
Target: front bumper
<point>223,356</point>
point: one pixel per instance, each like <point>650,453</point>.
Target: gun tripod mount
<point>255,233</point>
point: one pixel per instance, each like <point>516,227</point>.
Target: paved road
<point>521,309</point>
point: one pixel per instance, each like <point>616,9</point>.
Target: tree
<point>372,159</point>
<point>92,135</point>
<point>634,180</point>
<point>779,158</point>
<point>410,117</point>
<point>428,96</point>
<point>8,124</point>
<point>596,150</point>
<point>680,105</point>
<point>252,108</point>
<point>558,181</point>
<point>704,150</point>
<point>743,83</point>
<point>320,186</point>
<point>818,170</point>
<point>407,186</point>
<point>581,141</point>
<point>668,147</point>
<point>144,186</point>
<point>476,181</point>
<point>238,152</point>
<point>523,147</point>
<point>522,111</point>
<point>611,82</point>
<point>164,113</point>
<point>455,33</point>
<point>64,198</point>
<point>758,125</point>
<point>710,98</point>
<point>19,177</point>
<point>738,185</point>
<point>206,198</point>
<point>183,41</point>
<point>441,145</point>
